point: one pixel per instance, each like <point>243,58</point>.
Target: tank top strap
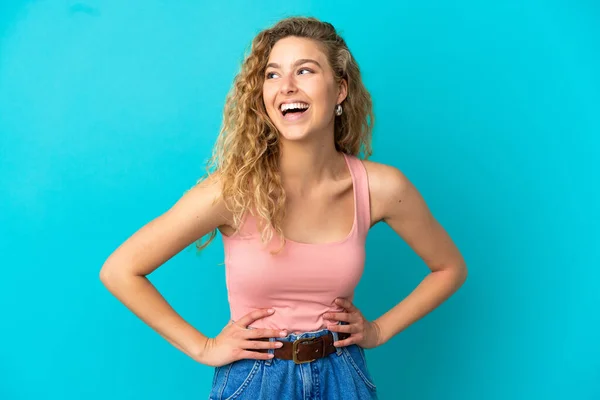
<point>361,193</point>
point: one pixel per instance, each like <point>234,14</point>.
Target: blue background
<point>108,111</point>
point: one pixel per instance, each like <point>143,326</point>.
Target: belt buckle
<point>295,350</point>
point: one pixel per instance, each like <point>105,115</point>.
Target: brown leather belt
<point>305,350</point>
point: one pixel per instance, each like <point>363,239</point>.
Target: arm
<point>124,272</point>
<point>398,203</point>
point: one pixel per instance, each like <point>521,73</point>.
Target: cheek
<point>321,94</point>
<point>268,99</point>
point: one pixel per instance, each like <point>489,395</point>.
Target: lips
<point>294,116</point>
<point>292,101</point>
<point>295,110</point>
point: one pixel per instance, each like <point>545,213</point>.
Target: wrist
<point>199,347</point>
<point>381,336</point>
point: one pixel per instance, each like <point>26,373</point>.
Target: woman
<point>293,203</point>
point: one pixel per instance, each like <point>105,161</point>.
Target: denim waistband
<point>304,335</point>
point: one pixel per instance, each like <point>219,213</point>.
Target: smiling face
<point>298,76</point>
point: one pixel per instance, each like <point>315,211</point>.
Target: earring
<point>338,110</point>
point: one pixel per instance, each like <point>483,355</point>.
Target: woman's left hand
<point>363,333</point>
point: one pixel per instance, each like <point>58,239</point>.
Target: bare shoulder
<point>205,198</point>
<point>387,187</point>
<point>395,200</point>
<point>196,213</point>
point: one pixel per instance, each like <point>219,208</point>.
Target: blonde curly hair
<point>246,154</point>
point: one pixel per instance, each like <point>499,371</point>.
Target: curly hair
<point>246,154</point>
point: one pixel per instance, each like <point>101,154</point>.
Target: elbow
<point>106,275</point>
<point>456,273</point>
<point>462,273</point>
<point>115,273</point>
<point>110,275</point>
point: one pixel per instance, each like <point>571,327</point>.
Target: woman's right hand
<point>236,341</point>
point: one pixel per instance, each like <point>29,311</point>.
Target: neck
<point>304,166</point>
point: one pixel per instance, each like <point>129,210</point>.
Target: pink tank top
<point>303,280</point>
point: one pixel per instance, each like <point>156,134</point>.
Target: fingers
<point>346,304</point>
<point>255,315</point>
<point>344,328</point>
<point>261,345</point>
<point>263,333</point>
<point>253,348</point>
<point>352,313</point>
<point>255,355</point>
<point>340,317</point>
<point>345,342</point>
<point>354,330</point>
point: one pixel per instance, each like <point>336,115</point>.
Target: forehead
<point>289,49</point>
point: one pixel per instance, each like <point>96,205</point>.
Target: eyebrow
<point>299,62</point>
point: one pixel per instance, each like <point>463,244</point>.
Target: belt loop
<point>270,351</point>
<point>338,350</point>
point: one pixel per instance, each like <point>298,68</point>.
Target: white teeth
<point>293,105</point>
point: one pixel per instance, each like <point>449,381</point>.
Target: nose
<point>288,85</point>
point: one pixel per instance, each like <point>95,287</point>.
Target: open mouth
<point>294,112</point>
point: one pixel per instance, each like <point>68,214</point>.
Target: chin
<point>294,134</point>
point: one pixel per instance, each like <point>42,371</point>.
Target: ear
<point>343,91</point>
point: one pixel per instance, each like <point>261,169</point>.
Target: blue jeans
<point>341,375</point>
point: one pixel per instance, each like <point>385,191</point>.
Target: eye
<point>269,75</point>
